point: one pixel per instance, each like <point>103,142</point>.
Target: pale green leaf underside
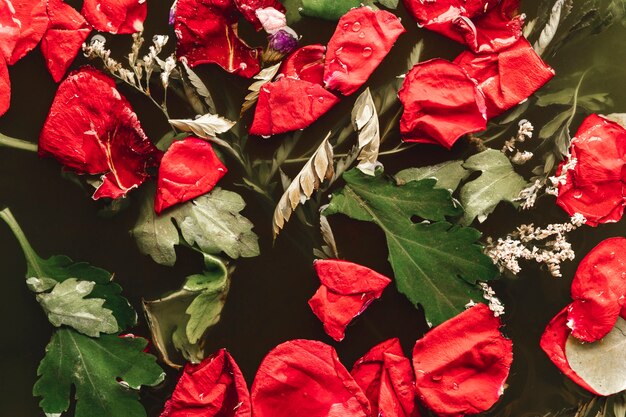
<point>448,174</point>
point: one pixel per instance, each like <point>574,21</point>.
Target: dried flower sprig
<point>525,131</point>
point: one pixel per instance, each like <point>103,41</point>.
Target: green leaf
<point>179,321</point>
<point>498,182</point>
<point>448,174</point>
<point>66,305</point>
<point>328,9</point>
<point>390,4</point>
<point>435,264</point>
<point>92,367</point>
<point>212,222</point>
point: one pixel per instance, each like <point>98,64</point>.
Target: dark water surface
<point>267,304</point>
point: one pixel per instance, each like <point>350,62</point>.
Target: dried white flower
<point>495,305</point>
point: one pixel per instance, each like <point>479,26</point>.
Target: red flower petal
<point>116,16</point>
<point>207,34</point>
<point>34,21</point>
<point>595,187</point>
<point>508,77</point>
<point>5,87</point>
<point>362,40</point>
<point>249,7</point>
<point>553,343</point>
<point>599,291</point>
<point>189,168</point>
<point>62,41</point>
<point>346,290</point>
<point>304,378</point>
<point>93,130</point>
<point>441,104</point>
<point>386,377</point>
<point>289,104</point>
<point>462,364</point>
<point>10,29</point>
<point>306,63</point>
<point>213,388</point>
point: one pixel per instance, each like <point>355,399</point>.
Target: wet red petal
<point>362,40</point>
<point>346,290</point>
<point>386,377</point>
<point>598,291</point>
<point>249,7</point>
<point>553,344</point>
<point>213,388</point>
<point>441,104</point>
<point>62,41</point>
<point>93,130</point>
<point>304,378</point>
<point>116,16</point>
<point>189,168</point>
<point>10,29</point>
<point>462,364</point>
<point>306,63</point>
<point>207,34</point>
<point>289,104</point>
<point>34,21</point>
<point>508,77</point>
<point>5,87</point>
<point>595,188</point>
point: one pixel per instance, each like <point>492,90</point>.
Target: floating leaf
<point>448,174</point>
<point>601,364</point>
<point>93,367</point>
<point>497,182</point>
<point>66,305</point>
<point>265,76</point>
<point>365,122</point>
<point>435,264</point>
<point>318,168</point>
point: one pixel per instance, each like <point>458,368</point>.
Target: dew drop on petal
<point>367,52</point>
<point>356,26</point>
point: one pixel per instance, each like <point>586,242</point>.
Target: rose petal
<point>553,344</point>
<point>189,168</point>
<point>461,365</point>
<point>306,63</point>
<point>346,290</point>
<point>5,87</point>
<point>93,130</point>
<point>10,29</point>
<point>508,77</point>
<point>33,23</point>
<point>248,9</point>
<point>116,16</point>
<point>67,30</point>
<point>362,40</point>
<point>598,291</point>
<point>600,203</point>
<point>289,104</point>
<point>304,378</point>
<point>386,377</point>
<point>213,388</point>
<point>207,34</point>
<point>441,104</point>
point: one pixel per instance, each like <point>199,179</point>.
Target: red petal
<point>5,87</point>
<point>506,78</point>
<point>441,104</point>
<point>189,168</point>
<point>213,388</point>
<point>34,21</point>
<point>289,104</point>
<point>346,290</point>
<point>93,130</point>
<point>553,343</point>
<point>62,41</point>
<point>10,29</point>
<point>304,378</point>
<point>462,364</point>
<point>116,16</point>
<point>306,63</point>
<point>599,291</point>
<point>207,34</point>
<point>362,40</point>
<point>249,7</point>
<point>386,377</point>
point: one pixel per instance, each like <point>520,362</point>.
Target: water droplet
<point>356,26</point>
<point>455,386</point>
<point>361,35</point>
<point>345,26</point>
<point>320,99</point>
<point>436,377</point>
<point>367,52</point>
<point>578,194</point>
<point>339,51</point>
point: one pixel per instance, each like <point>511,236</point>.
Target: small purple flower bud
<point>172,13</point>
<point>284,41</point>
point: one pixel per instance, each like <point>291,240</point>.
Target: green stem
<point>32,259</point>
<point>14,143</point>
